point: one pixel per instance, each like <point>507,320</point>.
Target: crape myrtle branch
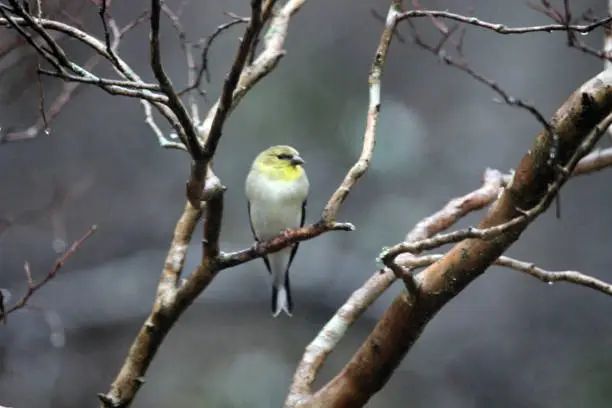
<point>175,295</point>
<point>33,287</point>
<point>579,123</point>
<point>529,268</point>
<point>388,256</point>
<point>301,387</point>
<point>457,208</point>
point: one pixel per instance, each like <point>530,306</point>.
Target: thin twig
<point>502,28</point>
<point>463,66</point>
<point>188,134</point>
<point>301,386</point>
<point>34,287</point>
<point>207,43</point>
<point>529,268</point>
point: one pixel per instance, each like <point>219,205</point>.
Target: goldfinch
<point>276,190</point>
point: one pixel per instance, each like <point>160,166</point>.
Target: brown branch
<point>33,287</point>
<point>174,296</point>
<point>164,314</point>
<point>457,208</point>
<point>335,329</point>
<point>301,388</point>
<point>577,123</point>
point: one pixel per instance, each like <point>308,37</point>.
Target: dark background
<point>506,341</point>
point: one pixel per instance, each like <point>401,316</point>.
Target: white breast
<point>275,205</point>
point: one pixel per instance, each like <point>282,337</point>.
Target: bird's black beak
<point>297,160</point>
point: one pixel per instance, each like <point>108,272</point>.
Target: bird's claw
<point>256,246</point>
<point>286,233</point>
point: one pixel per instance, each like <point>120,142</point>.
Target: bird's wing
<point>295,247</point>
<point>265,258</point>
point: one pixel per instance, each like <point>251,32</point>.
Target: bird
<point>277,188</point>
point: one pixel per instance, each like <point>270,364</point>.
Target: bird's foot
<point>286,233</point>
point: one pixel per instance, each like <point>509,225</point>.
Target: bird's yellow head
<point>282,163</point>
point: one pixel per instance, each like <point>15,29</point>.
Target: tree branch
<point>33,287</point>
<point>173,298</point>
<point>502,28</point>
<point>529,268</point>
<point>301,388</point>
<point>577,123</point>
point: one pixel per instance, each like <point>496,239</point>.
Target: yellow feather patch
<point>280,170</point>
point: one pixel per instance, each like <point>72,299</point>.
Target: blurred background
<point>506,341</point>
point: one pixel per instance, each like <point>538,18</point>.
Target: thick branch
<point>164,314</point>
<point>400,326</point>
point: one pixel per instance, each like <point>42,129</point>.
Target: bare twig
<point>48,115</point>
<point>206,43</point>
<point>463,66</point>
<point>502,28</point>
<point>187,49</point>
<point>529,268</point>
<point>34,287</point>
<point>564,18</point>
<point>550,277</point>
<point>188,135</point>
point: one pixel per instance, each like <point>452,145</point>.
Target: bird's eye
<point>284,156</point>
